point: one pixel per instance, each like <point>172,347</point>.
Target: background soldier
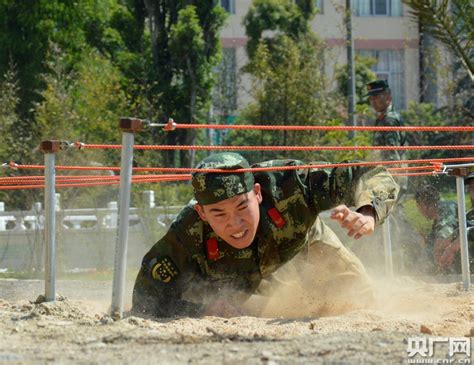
<point>380,98</point>
<point>442,243</point>
<point>242,227</point>
<point>469,181</point>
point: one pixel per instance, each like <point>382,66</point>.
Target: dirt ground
<point>76,329</point>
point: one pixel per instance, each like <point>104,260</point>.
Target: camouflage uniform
<point>191,266</point>
<point>446,227</point>
<point>390,118</point>
<point>469,181</point>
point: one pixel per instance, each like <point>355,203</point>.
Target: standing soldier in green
<point>380,98</point>
<point>243,226</point>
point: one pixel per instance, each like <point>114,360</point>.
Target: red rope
<point>412,168</point>
<point>329,128</point>
<point>161,178</point>
<point>98,183</point>
<point>281,148</point>
<point>414,174</point>
<point>18,180</point>
<point>58,177</point>
<point>15,166</point>
<point>272,168</point>
<point>22,179</point>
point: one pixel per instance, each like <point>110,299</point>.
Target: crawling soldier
<point>242,227</point>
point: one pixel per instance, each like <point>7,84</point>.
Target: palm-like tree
<point>452,23</point>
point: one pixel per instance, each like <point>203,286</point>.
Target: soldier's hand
<point>357,224</point>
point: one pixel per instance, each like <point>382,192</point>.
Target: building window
<point>378,7</point>
<point>319,5</point>
<point>228,5</point>
<point>389,66</point>
<point>224,96</point>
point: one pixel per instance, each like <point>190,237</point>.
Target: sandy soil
<point>76,329</point>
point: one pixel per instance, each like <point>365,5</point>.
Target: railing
<point>86,237</point>
<point>86,218</point>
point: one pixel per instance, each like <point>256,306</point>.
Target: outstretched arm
<point>358,223</point>
<point>354,186</point>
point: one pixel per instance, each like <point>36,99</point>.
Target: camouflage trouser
<point>326,279</point>
<point>335,273</point>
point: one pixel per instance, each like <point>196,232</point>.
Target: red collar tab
<point>212,249</point>
<point>276,217</point>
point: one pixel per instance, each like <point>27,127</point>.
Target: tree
<point>452,23</point>
<point>54,115</point>
<point>289,84</point>
<point>8,116</point>
<point>82,105</point>
<point>288,89</point>
<point>12,148</point>
<point>193,62</point>
<point>185,48</point>
<point>29,30</point>
<point>279,17</point>
<point>427,114</point>
<point>28,27</point>
<point>363,75</point>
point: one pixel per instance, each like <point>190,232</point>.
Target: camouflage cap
<point>210,188</point>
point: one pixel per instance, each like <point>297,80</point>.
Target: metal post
<point>387,244</point>
<point>149,199</point>
<point>57,206</point>
<point>123,224</point>
<point>50,226</point>
<point>351,90</point>
<point>128,126</point>
<point>3,225</point>
<point>36,210</point>
<point>112,218</point>
<point>466,279</point>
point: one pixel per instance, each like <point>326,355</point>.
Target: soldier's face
<point>236,219</point>
<point>380,102</point>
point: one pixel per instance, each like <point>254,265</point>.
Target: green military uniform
<point>191,266</point>
<point>446,227</point>
<point>469,181</point>
<point>390,118</point>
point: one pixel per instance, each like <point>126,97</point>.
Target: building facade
<point>381,28</point>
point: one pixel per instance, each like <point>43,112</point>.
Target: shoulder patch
<point>164,270</point>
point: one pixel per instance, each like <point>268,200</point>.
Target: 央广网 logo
<point>421,350</point>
